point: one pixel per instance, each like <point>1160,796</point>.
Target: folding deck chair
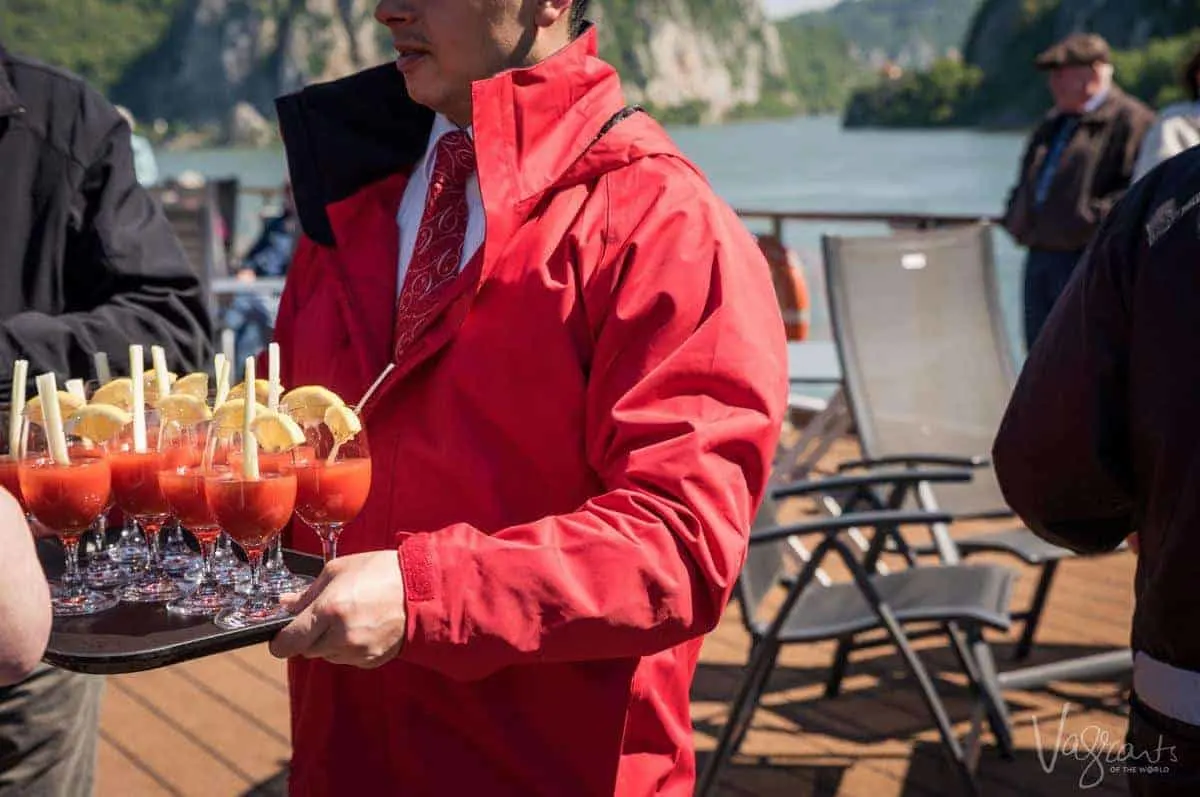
<point>928,370</point>
<point>816,610</point>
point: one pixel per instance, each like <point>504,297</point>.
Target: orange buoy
<point>791,289</point>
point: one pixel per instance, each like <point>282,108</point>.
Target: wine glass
<point>182,482</point>
<point>332,481</point>
<point>67,498</point>
<point>139,495</point>
<point>253,511</point>
<point>10,457</point>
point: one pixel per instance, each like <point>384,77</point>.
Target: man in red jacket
<point>588,375</point>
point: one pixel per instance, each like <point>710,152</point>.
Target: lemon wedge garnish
<point>343,423</point>
<point>276,432</point>
<point>195,384</point>
<point>68,403</point>
<point>117,393</point>
<point>228,417</point>
<point>308,404</point>
<point>100,422</point>
<point>182,408</point>
<point>262,390</point>
<point>150,381</point>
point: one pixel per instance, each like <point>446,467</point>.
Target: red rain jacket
<point>567,461</point>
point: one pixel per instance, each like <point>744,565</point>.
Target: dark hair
<point>1190,81</point>
<point>578,17</point>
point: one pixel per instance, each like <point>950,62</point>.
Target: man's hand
<point>1133,543</point>
<point>353,614</point>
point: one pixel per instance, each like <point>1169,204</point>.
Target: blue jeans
<point>1046,275</point>
<point>250,319</point>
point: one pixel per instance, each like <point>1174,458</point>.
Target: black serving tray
<point>132,637</point>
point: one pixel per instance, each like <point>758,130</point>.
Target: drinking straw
<point>137,375</point>
<point>272,376</point>
<point>47,387</point>
<point>362,402</point>
<point>249,444</point>
<point>158,356</point>
<point>75,388</point>
<point>222,366</point>
<point>227,344</point>
<point>16,405</point>
<point>103,374</point>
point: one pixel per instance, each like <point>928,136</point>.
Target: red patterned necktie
<point>439,245</point>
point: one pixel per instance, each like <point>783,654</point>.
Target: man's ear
<point>549,13</point>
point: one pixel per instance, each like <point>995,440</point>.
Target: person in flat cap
<point>1077,164</point>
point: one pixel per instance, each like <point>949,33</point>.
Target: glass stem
<point>208,549</point>
<point>277,553</point>
<point>99,532</point>
<point>72,582</point>
<point>256,597</point>
<point>151,532</point>
<point>329,540</point>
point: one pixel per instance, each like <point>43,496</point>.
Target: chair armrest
<point>874,479</point>
<point>913,460</point>
<point>830,525</point>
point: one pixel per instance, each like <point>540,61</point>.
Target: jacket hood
<point>535,128</point>
<point>9,101</point>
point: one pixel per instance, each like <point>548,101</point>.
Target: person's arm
<point>1130,131</point>
<point>687,391</point>
<point>1061,454</point>
<point>24,596</point>
<point>1014,221</point>
<point>1154,149</point>
<point>125,277</point>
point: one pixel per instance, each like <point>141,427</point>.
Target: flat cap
<point>1078,49</point>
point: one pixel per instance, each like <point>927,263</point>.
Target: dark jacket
<point>88,262</point>
<point>1095,169</point>
<point>1102,436</point>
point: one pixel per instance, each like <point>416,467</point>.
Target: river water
<point>804,163</point>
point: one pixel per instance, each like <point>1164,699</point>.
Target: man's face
<point>1073,86</point>
<point>444,46</point>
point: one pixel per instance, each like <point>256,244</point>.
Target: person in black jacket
<point>88,263</point>
<point>1101,442</point>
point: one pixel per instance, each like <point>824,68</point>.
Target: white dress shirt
<point>412,205</point>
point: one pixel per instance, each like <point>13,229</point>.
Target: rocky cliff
<point>691,60</point>
<point>221,58</point>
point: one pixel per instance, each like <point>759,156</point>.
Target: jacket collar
<point>530,126</point>
<point>10,103</point>
<point>1114,101</point>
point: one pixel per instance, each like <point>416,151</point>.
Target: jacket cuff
<point>423,594</point>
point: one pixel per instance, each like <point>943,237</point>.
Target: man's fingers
<point>300,635</point>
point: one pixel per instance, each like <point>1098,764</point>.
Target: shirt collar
<point>1096,101</point>
<point>441,126</point>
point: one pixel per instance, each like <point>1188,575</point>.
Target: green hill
<point>907,32</point>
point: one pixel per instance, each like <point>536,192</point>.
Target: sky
<point>781,8</point>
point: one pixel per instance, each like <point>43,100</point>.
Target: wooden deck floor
<point>219,726</point>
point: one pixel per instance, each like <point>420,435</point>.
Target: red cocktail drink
<point>135,485</point>
<point>138,493</point>
<point>252,512</point>
<point>184,490</point>
<point>9,479</point>
<point>331,494</point>
<point>68,499</point>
